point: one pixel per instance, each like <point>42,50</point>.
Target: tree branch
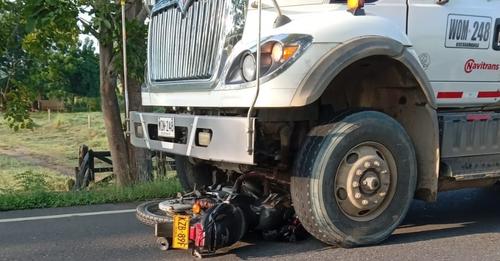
<point>87,25</point>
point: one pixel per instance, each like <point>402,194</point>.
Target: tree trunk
<point>139,158</point>
<point>111,114</point>
<point>129,163</point>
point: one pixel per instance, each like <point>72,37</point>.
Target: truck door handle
<point>442,2</point>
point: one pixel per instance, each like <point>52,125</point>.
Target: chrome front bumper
<point>228,141</point>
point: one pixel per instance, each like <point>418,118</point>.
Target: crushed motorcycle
<point>215,217</point>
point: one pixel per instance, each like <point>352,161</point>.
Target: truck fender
<point>332,63</point>
<point>424,136</point>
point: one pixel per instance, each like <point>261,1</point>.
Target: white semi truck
<point>359,106</point>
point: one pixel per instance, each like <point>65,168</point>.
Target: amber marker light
<point>196,208</point>
<point>353,5</point>
<point>289,51</point>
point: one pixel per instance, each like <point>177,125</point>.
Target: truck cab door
<point>457,44</point>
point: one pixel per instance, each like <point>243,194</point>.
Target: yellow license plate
<point>181,232</point>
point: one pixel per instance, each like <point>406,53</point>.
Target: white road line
<point>84,214</point>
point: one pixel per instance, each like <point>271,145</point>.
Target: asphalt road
<point>462,225</point>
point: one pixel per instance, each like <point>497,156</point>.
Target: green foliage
<point>32,181</point>
<point>14,66</point>
<point>105,25</point>
<point>136,50</point>
<point>17,113</point>
<point>84,73</point>
<point>41,61</point>
<point>98,195</point>
<point>83,104</point>
<point>41,56</point>
<point>53,23</point>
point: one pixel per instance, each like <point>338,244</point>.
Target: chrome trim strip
<point>192,137</point>
<point>145,132</point>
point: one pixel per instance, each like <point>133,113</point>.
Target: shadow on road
<point>253,246</point>
<point>456,213</point>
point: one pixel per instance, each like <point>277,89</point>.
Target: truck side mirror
<point>281,20</point>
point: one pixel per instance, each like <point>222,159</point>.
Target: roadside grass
<point>58,138</point>
<point>110,193</point>
<point>16,175</point>
<point>37,166</point>
<point>37,189</point>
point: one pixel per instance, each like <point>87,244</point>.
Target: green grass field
<point>36,165</point>
<point>12,170</point>
<point>50,149</point>
<point>58,138</point>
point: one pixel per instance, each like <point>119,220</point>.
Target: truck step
<point>470,145</point>
<point>472,167</point>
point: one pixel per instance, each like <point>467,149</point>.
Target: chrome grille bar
<point>184,48</point>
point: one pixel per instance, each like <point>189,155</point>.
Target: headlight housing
<point>278,52</point>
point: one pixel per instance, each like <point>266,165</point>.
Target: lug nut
<point>376,163</point>
<point>364,202</point>
<point>367,164</point>
<point>357,195</point>
<point>359,172</point>
<point>382,194</point>
<point>355,184</point>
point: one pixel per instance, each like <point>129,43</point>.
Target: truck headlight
<point>248,68</point>
<point>278,52</point>
<point>281,54</point>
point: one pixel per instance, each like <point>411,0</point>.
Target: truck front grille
<point>186,48</point>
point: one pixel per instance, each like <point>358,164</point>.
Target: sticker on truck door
<point>468,32</point>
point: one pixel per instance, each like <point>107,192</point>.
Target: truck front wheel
<point>354,179</point>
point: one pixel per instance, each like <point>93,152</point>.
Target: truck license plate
<point>181,232</point>
<point>166,127</point>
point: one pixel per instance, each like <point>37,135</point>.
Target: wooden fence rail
<point>86,170</point>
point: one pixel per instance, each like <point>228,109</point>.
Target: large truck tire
<point>354,179</point>
<point>192,175</point>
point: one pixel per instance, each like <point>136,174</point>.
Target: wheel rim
<point>152,210</point>
<point>365,181</point>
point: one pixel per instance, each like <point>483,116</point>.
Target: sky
<point>82,37</point>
